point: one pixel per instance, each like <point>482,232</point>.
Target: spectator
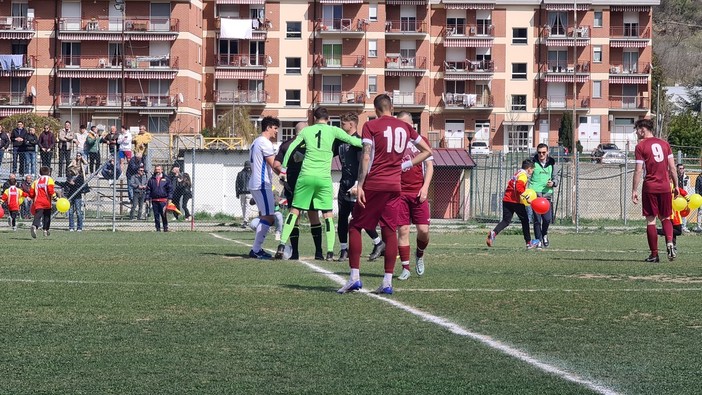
<point>4,143</point>
<point>683,183</point>
<point>80,139</point>
<point>242,191</point>
<point>92,145</point>
<point>46,145</point>
<point>141,145</point>
<point>73,189</point>
<point>185,186</point>
<point>698,190</point>
<point>30,155</point>
<point>6,184</point>
<point>138,184</point>
<point>108,171</point>
<point>176,177</point>
<point>543,181</point>
<point>110,138</point>
<point>132,167</point>
<point>26,185</point>
<point>65,141</point>
<point>79,164</point>
<point>125,145</point>
<point>18,135</point>
<point>14,197</point>
<point>160,191</point>
<point>42,192</point>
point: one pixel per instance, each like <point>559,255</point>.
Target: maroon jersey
<point>653,153</point>
<point>388,137</point>
<point>413,179</point>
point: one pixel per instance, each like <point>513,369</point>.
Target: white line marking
<point>457,329</point>
<point>549,290</point>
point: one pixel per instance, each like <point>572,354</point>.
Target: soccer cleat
<point>378,250</point>
<point>14,228</point>
<point>404,275</point>
<point>351,285</point>
<point>343,255</point>
<point>46,233</point>
<point>419,266</point>
<point>545,241</point>
<point>652,258</point>
<point>318,256</point>
<point>33,231</point>
<point>533,244</point>
<point>280,251</point>
<point>330,256</point>
<point>539,245</point>
<point>383,289</point>
<point>261,254</point>
<point>672,253</point>
<point>491,238</point>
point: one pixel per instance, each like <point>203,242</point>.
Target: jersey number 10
<point>396,141</point>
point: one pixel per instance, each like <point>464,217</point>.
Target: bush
<point>31,120</point>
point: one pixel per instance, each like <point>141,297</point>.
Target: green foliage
<point>685,130</point>
<point>565,131</point>
<point>235,123</point>
<point>30,119</point>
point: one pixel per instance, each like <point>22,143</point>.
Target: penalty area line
<point>459,330</point>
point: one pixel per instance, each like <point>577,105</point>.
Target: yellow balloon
<point>679,203</point>
<point>695,201</point>
<point>527,197</point>
<point>62,205</point>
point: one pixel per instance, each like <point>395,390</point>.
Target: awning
<point>631,8</point>
<point>566,78</point>
<point>240,74</point>
<point>154,36</point>
<point>241,1</point>
<point>341,1</point>
<point>628,79</point>
<point>452,157</point>
<point>157,111</point>
<point>16,73</point>
<point>614,43</point>
<point>6,112</point>
<point>404,73</point>
<point>567,7</point>
<point>467,77</point>
<point>25,35</point>
<point>467,43</point>
<point>406,2</point>
<point>83,73</point>
<point>566,42</point>
<point>452,5</point>
<point>151,75</point>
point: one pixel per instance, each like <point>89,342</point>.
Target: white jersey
<point>261,173</point>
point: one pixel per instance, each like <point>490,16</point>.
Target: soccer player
<point>542,181</point>
<point>511,205</point>
<point>385,140</point>
<point>260,186</point>
<point>350,158</point>
<point>42,193</point>
<point>314,185</point>
<point>656,200</point>
<point>414,207</point>
<point>13,197</point>
<point>291,176</point>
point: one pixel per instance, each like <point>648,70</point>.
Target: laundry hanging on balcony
<point>236,28</point>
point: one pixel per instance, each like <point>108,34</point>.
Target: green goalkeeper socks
<point>330,233</point>
<point>288,226</point>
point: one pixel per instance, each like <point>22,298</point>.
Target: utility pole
<point>119,5</point>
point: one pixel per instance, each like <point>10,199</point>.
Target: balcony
<point>137,67</point>
<point>630,73</point>
<point>341,98</point>
<point>629,103</point>
<point>348,64</point>
<point>468,36</point>
<point>399,66</point>
<point>341,27</point>
<point>408,100</point>
<point>242,97</point>
<point>16,65</point>
<point>562,71</point>
<point>243,61</point>
<point>466,101</point>
<point>260,27</point>
<point>405,28</point>
<point>105,28</point>
<point>133,102</point>
<point>566,36</point>
<point>17,27</point>
<point>469,70</point>
<point>564,103</point>
<point>16,99</point>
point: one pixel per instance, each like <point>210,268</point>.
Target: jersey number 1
<point>398,143</point>
<point>319,139</point>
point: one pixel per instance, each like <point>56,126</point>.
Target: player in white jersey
<point>262,157</point>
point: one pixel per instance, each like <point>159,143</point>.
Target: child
<point>677,219</point>
<point>511,204</point>
<point>42,193</point>
<point>13,196</point>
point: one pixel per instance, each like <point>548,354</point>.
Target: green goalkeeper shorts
<point>314,191</point>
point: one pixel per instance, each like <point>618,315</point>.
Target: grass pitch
<point>182,312</point>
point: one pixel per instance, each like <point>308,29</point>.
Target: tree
<point>235,123</point>
<point>31,119</point>
<point>685,131</point>
<point>565,131</point>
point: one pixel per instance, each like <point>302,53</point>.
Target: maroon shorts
<point>410,211</point>
<point>657,204</point>
<point>381,206</point>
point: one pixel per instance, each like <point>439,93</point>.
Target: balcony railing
<point>630,68</point>
<point>633,32</point>
<point>237,60</point>
<point>405,26</point>
<point>469,66</point>
<point>564,102</point>
<point>352,61</point>
<point>464,30</point>
<point>629,102</point>
<point>241,96</point>
<point>139,24</point>
<point>10,62</point>
<point>400,99</point>
<point>341,97</point>
<point>568,31</point>
<point>554,66</point>
<point>130,63</point>
<point>114,100</point>
<point>467,100</point>
<point>15,99</point>
<point>15,23</point>
<point>417,62</point>
<point>342,25</point>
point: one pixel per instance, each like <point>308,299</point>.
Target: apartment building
<point>503,72</point>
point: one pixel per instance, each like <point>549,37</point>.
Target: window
<point>518,138</point>
<point>114,92</point>
<point>287,130</point>
<point>292,97</point>
<point>630,61</point>
<point>456,26</point>
<point>332,54</point>
<point>331,89</point>
<point>257,53</point>
<point>372,48</point>
<point>293,65</point>
<point>294,30</point>
<point>557,61</point>
<point>160,17</point>
<point>114,51</point>
<point>455,87</point>
<point>158,124</point>
<point>484,22</point>
<point>373,12</point>
<point>519,71</point>
<point>598,19</point>
<point>159,93</point>
<point>331,16</point>
<point>558,22</point>
<point>519,35</point>
<point>18,90</point>
<point>71,54</point>
<point>372,84</point>
<point>596,89</point>
<point>519,103</point>
<point>228,10</point>
<point>597,54</point>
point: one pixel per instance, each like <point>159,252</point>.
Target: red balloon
<point>2,212</point>
<point>683,213</point>
<point>540,205</point>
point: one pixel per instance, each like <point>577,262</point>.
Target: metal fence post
<point>577,190</point>
<point>192,191</point>
<point>114,188</point>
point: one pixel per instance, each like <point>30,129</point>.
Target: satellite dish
<point>34,91</point>
<point>269,59</point>
<point>180,98</point>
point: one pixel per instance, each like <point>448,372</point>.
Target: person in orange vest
<point>677,219</point>
<point>42,192</point>
<point>13,197</point>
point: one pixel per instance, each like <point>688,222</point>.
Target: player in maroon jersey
<point>378,192</point>
<point>414,207</point>
<point>656,157</point>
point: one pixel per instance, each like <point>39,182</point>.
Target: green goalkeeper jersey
<point>319,140</point>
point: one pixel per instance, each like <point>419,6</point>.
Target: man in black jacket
<point>242,191</point>
<point>18,136</point>
<point>160,191</point>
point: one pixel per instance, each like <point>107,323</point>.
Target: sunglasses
<point>542,152</point>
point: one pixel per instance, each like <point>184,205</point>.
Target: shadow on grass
<point>231,256</point>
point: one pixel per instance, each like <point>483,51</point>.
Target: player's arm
<point>363,172</point>
<point>673,173</point>
<point>428,174</point>
<point>339,134</point>
<point>635,184</point>
<point>424,153</point>
<point>278,161</point>
<point>291,148</point>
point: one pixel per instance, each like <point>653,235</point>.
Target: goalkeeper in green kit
<point>314,184</point>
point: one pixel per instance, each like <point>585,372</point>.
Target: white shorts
<point>264,201</point>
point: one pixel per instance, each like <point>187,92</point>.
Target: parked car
<point>610,157</point>
<point>559,154</point>
<point>480,148</point>
<point>599,152</point>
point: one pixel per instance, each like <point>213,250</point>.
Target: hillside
<point>677,40</point>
